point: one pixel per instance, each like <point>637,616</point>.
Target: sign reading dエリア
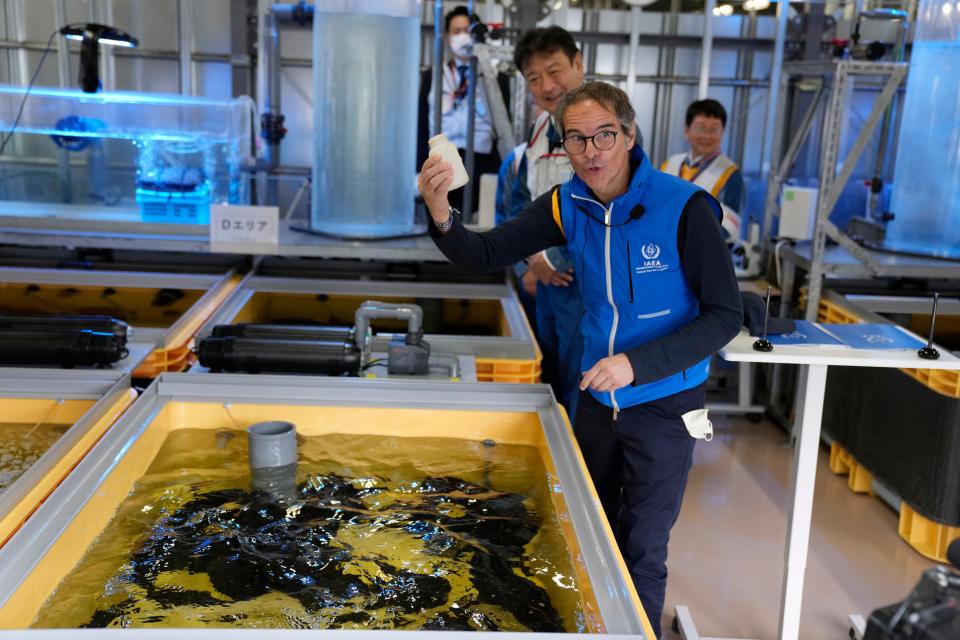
<point>241,228</point>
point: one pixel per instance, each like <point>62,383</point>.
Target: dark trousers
<point>639,465</point>
<point>558,314</point>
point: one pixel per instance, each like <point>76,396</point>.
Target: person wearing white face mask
<point>455,107</point>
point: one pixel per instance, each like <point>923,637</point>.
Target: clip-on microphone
<point>635,214</point>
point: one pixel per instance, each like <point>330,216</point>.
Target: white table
<point>813,383</point>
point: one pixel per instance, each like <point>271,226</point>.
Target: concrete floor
<point>727,549</point>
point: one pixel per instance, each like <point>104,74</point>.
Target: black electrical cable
<point>23,102</point>
<point>373,363</point>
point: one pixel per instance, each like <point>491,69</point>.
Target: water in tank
<point>926,187</point>
<point>365,73</point>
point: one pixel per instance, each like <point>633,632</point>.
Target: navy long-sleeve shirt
<point>704,257</point>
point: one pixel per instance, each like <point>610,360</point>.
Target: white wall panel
<point>148,74</point>
<point>212,26</point>
<point>296,96</point>
<point>214,79</point>
<point>154,24</point>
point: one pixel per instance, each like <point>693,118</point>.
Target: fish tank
<point>121,156</point>
<point>440,507</point>
<point>50,420</point>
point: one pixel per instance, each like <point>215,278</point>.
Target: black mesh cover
<point>906,434</point>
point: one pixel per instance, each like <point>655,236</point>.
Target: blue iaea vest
<point>633,285</point>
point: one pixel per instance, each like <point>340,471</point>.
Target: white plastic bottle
<point>440,146</point>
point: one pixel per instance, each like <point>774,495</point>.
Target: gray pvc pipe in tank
<point>273,459</point>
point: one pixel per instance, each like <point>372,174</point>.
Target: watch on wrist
<point>443,227</point>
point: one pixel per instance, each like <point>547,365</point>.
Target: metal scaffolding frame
<point>188,58</point>
<point>834,81</point>
<point>189,61</point>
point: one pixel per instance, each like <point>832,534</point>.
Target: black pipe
<point>470,152</point>
<point>256,355</point>
<point>102,324</point>
<point>67,348</point>
<point>284,332</point>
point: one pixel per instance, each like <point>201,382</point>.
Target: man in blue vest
<point>659,296</point>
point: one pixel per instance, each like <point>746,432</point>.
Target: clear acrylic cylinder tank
<point>926,187</point>
<point>366,57</point>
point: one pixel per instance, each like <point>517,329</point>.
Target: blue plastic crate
<point>184,207</point>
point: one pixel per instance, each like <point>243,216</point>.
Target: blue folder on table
<point>854,336</point>
<point>807,334</point>
<point>874,336</point>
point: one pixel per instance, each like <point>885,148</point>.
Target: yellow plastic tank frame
<point>47,547</point>
<point>165,310</point>
<point>84,403</point>
<point>506,352</point>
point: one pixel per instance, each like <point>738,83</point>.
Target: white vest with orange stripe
<point>713,179</point>
<point>545,168</point>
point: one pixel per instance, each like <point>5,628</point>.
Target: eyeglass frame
<point>713,132</point>
<point>592,139</point>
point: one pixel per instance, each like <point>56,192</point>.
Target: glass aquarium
<point>123,156</point>
<point>926,186</point>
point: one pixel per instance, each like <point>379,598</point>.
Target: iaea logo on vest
<point>651,259</point>
<point>650,251</point>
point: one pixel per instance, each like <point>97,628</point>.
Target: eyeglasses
<point>603,141</point>
<point>707,131</point>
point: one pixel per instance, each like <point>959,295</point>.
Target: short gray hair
<point>607,95</point>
